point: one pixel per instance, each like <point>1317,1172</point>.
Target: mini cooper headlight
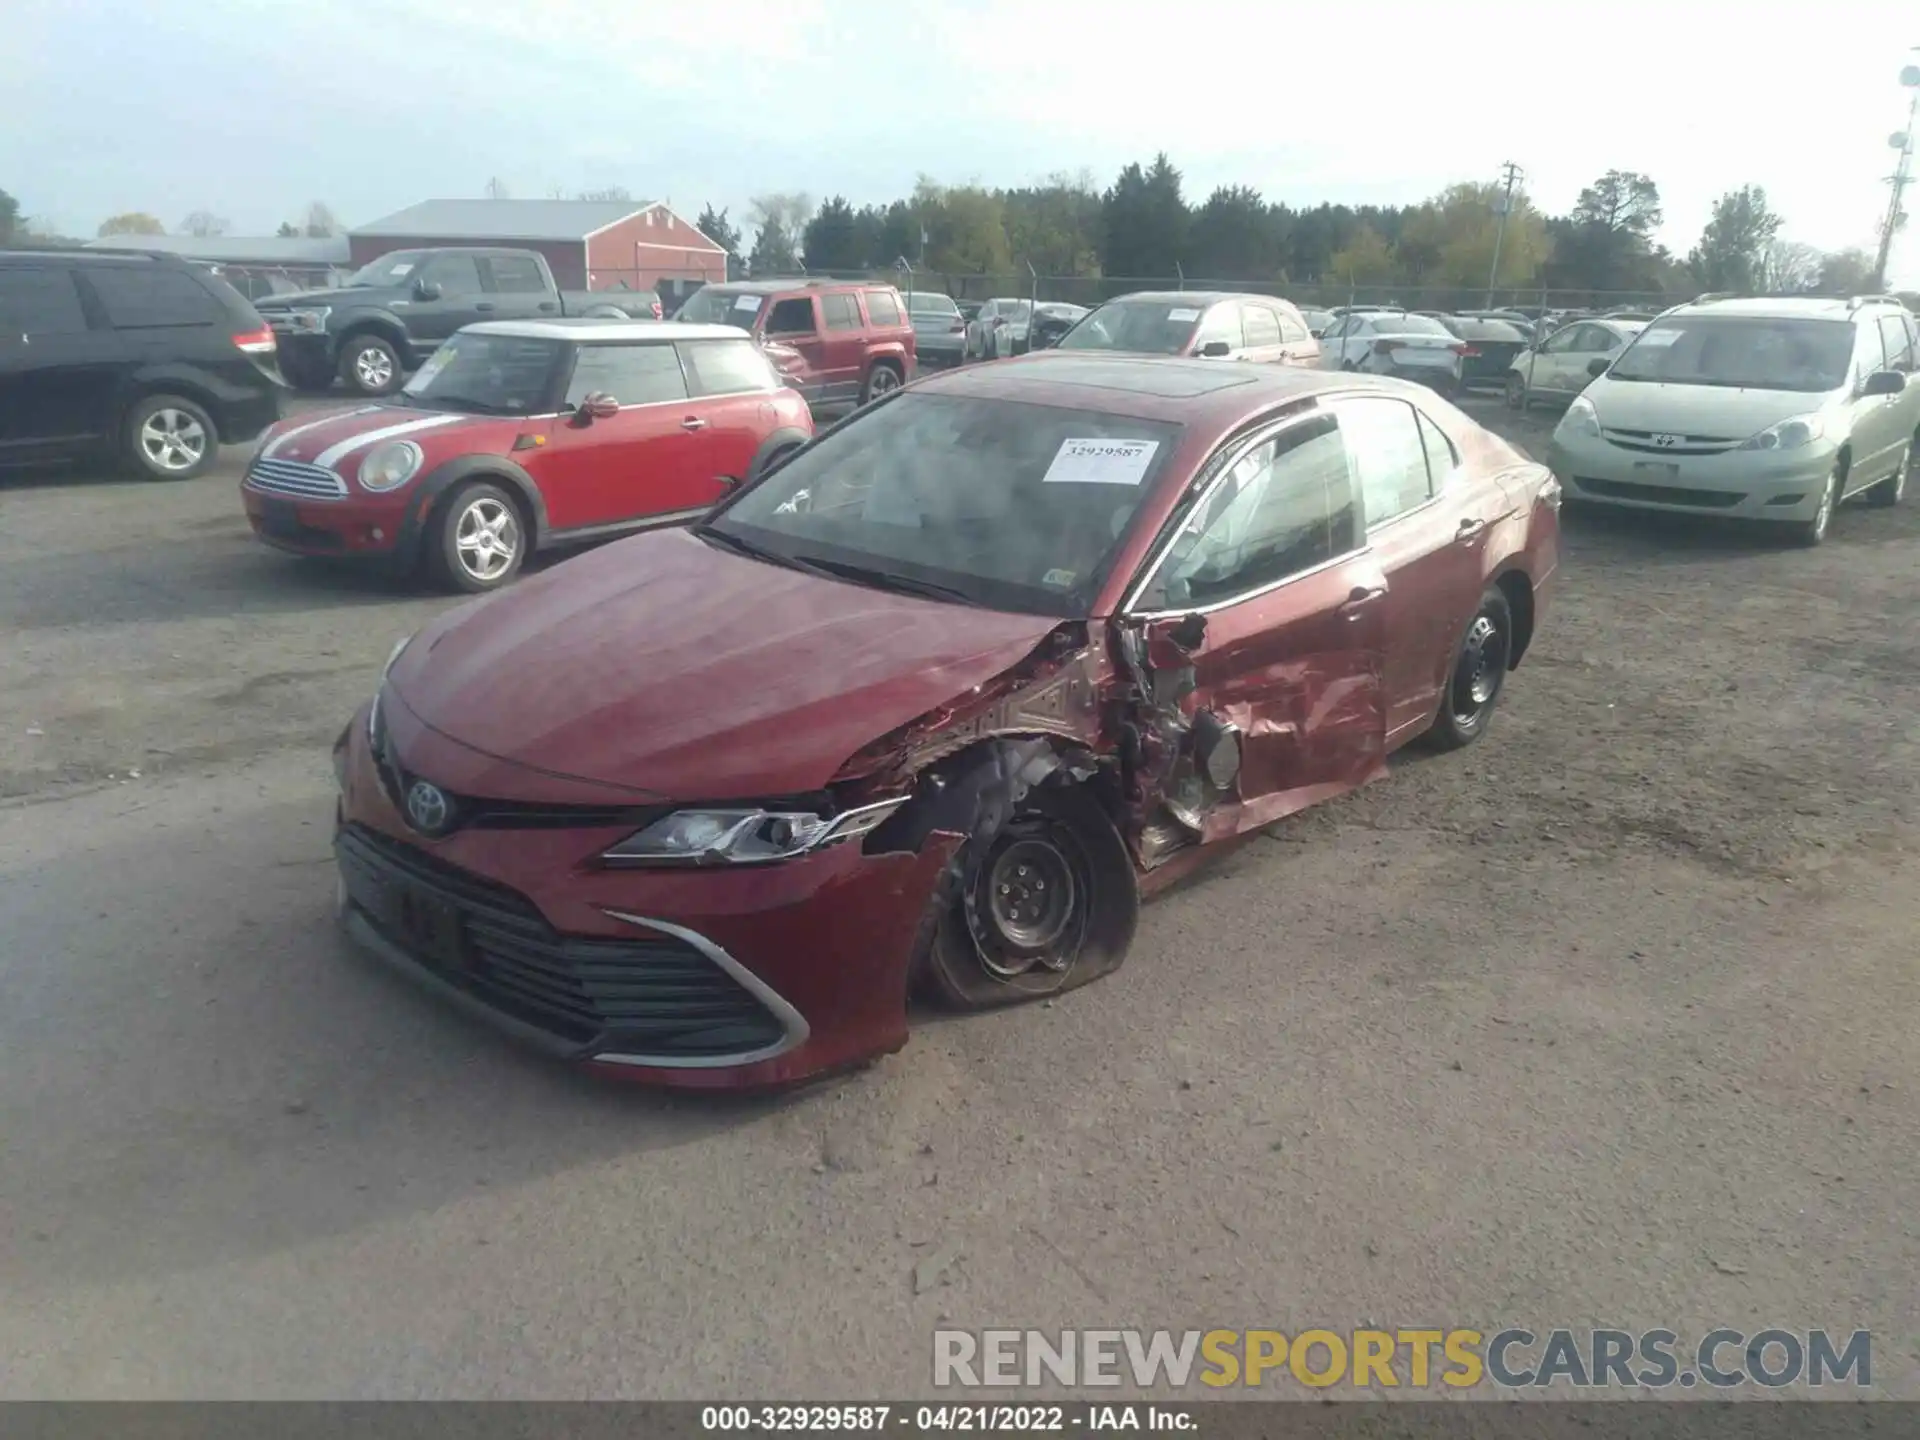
<point>389,466</point>
<point>746,835</point>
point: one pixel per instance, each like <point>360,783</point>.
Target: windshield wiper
<point>727,540</point>
<point>890,580</point>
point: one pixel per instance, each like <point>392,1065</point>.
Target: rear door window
<point>839,312</point>
<point>516,275</point>
<point>1261,325</point>
<point>1898,340</point>
<point>642,374</point>
<point>1386,456</point>
<point>39,300</point>
<point>726,367</point>
<point>139,297</point>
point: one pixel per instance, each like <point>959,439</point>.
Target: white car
<point>1413,347</point>
<point>1559,368</point>
<point>999,330</point>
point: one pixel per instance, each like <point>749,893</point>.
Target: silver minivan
<point>1766,409</point>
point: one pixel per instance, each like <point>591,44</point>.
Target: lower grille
<point>1660,494</point>
<point>656,997</point>
<point>296,478</point>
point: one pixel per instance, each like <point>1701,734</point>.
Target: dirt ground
<point>1608,1020</point>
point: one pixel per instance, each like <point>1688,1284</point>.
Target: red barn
<point>589,244</point>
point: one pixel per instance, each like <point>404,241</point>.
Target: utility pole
<point>1513,175</point>
<point>1901,178</point>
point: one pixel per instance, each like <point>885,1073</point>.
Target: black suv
<point>144,357</point>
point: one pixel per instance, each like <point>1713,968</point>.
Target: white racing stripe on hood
<point>333,454</point>
<point>327,419</point>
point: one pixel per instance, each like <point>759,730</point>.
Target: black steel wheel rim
<point>1030,900</point>
<point>1481,668</point>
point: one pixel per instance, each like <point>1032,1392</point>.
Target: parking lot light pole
<point>1513,173</point>
<point>1901,140</point>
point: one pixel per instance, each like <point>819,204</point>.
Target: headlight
<point>1788,434</point>
<point>373,710</point>
<point>312,320</point>
<point>743,836</point>
<point>1581,419</point>
<point>390,465</point>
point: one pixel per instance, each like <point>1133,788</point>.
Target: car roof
<point>800,282</point>
<point>1205,393</point>
<point>587,330</point>
<point>91,257</point>
<point>1191,297</point>
<point>1779,307</point>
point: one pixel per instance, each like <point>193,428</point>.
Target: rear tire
<point>1004,937</point>
<point>477,540</point>
<point>1477,677</point>
<point>882,379</point>
<point>169,437</point>
<point>1516,393</point>
<point>370,366</point>
<point>1893,489</point>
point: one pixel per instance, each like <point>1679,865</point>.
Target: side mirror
<point>425,290</point>
<point>1213,349</point>
<point>1884,382</point>
<point>596,406</point>
<point>1598,367</point>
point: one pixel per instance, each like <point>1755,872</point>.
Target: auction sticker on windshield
<point>1183,315</point>
<point>1656,338</point>
<point>746,302</point>
<point>1101,462</point>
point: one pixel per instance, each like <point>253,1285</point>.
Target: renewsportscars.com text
<point>1411,1358</point>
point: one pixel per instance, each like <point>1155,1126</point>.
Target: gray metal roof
<point>502,220</point>
<point>235,249</point>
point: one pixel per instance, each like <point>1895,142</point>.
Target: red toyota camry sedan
<point>935,702</point>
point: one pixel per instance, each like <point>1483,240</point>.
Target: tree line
<point>1142,227</point>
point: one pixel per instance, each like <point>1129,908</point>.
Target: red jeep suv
<point>522,434</point>
<point>836,342</point>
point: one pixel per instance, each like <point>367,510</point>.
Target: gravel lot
<point>1607,1021</point>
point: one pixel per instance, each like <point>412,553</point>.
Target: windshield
<point>922,304</point>
<point>1152,327</point>
<point>388,271</point>
<point>715,306</point>
<point>1010,505</point>
<point>488,375</point>
<point>1748,353</point>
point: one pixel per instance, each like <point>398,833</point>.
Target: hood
<point>339,295</point>
<point>341,435</point>
<point>1696,409</point>
<point>674,670</point>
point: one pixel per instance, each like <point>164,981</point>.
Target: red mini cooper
<point>520,435</point>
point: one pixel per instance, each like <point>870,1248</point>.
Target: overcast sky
<point>251,108</point>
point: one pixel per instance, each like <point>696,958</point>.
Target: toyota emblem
<point>428,808</point>
<point>1666,442</point>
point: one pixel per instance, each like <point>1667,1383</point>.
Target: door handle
<point>546,306</point>
<point>1359,599</point>
<point>693,422</point>
<point>1470,528</point>
<point>485,307</point>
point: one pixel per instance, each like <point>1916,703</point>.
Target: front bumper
<point>742,978</point>
<point>1741,484</point>
<point>360,526</point>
